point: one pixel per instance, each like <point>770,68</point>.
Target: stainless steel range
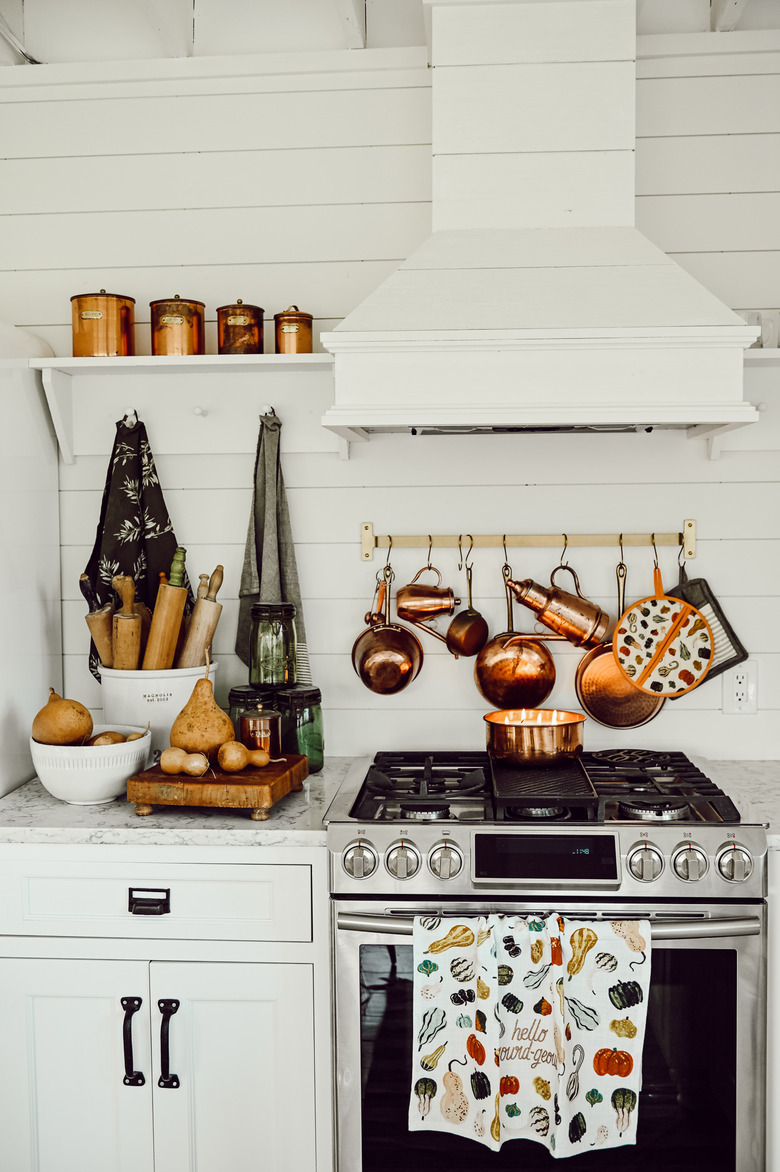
<point>614,834</point>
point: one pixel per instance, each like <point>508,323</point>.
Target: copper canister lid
<point>177,301</point>
<point>293,313</point>
<point>102,293</point>
<point>239,307</point>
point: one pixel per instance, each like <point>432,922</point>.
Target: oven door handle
<point>659,929</point>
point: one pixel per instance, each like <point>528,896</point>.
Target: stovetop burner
<point>612,785</point>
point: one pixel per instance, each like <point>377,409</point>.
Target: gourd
<point>107,738</point>
<point>581,943</point>
<point>537,948</point>
<point>430,923</point>
<point>543,1007</point>
<point>454,1105</point>
<point>433,1021</point>
<point>464,1021</point>
<point>427,967</point>
<point>480,1021</point>
<point>556,953</point>
<point>539,1119</point>
<point>495,1126</point>
<point>593,1097</point>
<point>480,1085</point>
<point>626,993</point>
<point>202,726</point>
<point>475,1048</point>
<point>512,1110</point>
<point>542,1087</point>
<point>62,722</point>
<point>623,1027</point>
<point>559,1050</point>
<point>458,937</point>
<point>585,1017</point>
<point>511,1002</point>
<point>462,969</point>
<point>534,978</point>
<point>174,761</point>
<point>483,990</point>
<point>606,961</point>
<point>509,1085</point>
<point>577,1128</point>
<point>233,757</point>
<point>628,930</point>
<point>429,1061</point>
<point>618,1062</point>
<point>573,1083</point>
<point>425,1089</point>
<point>505,974</point>
<point>624,1101</point>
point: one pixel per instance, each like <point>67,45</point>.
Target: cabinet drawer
<point>173,902</point>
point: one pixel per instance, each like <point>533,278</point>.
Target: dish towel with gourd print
<point>529,1028</point>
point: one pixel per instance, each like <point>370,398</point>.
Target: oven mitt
<point>727,651</point>
<point>134,534</point>
<point>529,1027</point>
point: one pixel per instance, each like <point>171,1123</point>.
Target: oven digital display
<point>576,858</point>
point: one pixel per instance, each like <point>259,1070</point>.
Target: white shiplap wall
<point>308,184</point>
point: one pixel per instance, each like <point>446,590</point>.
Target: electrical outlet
<point>740,690</point>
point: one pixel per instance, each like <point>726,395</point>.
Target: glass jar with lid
<point>246,699</point>
<point>302,731</point>
<point>272,645</point>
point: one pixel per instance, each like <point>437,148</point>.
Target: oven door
<point>703,1059</point>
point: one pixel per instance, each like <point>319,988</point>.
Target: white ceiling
<point>56,31</point>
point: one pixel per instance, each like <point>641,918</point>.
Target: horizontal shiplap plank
<point>707,164</point>
<point>267,120</point>
<point>708,105</point>
<point>747,222</point>
<point>209,237</point>
<point>329,289</point>
<point>217,179</point>
<point>737,278</point>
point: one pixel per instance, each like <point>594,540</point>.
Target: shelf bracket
<point>369,541</point>
<point>58,388</point>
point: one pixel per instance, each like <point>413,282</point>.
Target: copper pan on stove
<point>603,688</point>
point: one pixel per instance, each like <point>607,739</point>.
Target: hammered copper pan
<point>605,691</point>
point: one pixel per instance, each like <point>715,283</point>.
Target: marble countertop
<point>30,814</point>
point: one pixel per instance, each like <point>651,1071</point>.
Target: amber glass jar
<point>177,326</point>
<point>103,325</point>
<point>292,331</point>
<point>240,329</point>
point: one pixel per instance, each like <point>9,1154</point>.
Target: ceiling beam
<point>352,14</point>
<point>177,36</point>
<point>725,14</point>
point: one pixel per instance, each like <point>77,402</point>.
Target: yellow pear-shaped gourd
<point>62,722</point>
<point>202,726</point>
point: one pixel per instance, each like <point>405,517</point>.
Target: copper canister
<point>262,729</point>
<point>103,325</point>
<point>240,329</point>
<point>177,326</point>
<point>292,330</point>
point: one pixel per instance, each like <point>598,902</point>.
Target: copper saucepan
<point>386,656</point>
<point>534,736</point>
<point>603,688</point>
<point>515,671</point>
<point>466,634</point>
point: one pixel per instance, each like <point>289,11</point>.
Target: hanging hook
<point>468,552</point>
<point>389,547</point>
<point>620,543</point>
<point>430,547</point>
<point>460,552</point>
<point>563,551</point>
<point>655,551</point>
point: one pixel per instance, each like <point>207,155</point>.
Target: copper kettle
<point>570,615</point>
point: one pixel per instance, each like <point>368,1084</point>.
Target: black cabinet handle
<point>133,1078</point>
<point>168,1081</point>
<point>149,901</point>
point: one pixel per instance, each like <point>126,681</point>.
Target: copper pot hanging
<point>512,670</point>
<point>386,656</point>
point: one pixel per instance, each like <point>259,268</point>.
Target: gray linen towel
<point>270,573</point>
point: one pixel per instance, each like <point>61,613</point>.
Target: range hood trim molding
<point>651,337</point>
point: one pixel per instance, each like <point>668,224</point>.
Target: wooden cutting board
<point>251,789</point>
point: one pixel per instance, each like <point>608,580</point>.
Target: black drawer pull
<point>166,1080</point>
<point>149,901</point>
<point>133,1078</point>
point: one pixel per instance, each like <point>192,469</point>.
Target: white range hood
<point>535,303</point>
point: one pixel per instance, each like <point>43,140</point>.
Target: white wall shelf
<point>206,403</point>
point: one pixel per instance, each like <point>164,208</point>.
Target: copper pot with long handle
<point>603,688</point>
<point>512,670</point>
<point>386,656</point>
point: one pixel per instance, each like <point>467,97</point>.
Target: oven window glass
<point>687,1107</point>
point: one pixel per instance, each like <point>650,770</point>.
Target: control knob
<point>402,860</point>
<point>359,860</point>
<point>445,861</point>
<point>690,863</point>
<point>645,863</point>
<point>735,864</point>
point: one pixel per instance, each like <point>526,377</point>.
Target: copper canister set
<point>104,327</point>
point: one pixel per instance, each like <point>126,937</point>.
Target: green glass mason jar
<point>302,723</point>
<point>272,645</point>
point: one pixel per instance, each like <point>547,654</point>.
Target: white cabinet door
<point>241,1045</point>
<point>64,1105</point>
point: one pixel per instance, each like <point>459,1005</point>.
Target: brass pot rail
<point>369,541</point>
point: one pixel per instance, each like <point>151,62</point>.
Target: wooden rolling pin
<point>203,623</point>
<point>100,621</point>
<point>127,626</point>
<point>166,619</point>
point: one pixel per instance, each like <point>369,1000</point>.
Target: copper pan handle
<point>424,627</point>
<point>510,618</point>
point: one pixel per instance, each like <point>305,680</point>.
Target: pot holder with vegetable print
<point>529,1028</point>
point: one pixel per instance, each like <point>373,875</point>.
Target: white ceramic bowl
<point>89,775</point>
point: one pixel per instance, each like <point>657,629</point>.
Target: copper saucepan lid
<point>603,688</point>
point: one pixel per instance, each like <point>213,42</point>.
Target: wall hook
<point>201,411</point>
